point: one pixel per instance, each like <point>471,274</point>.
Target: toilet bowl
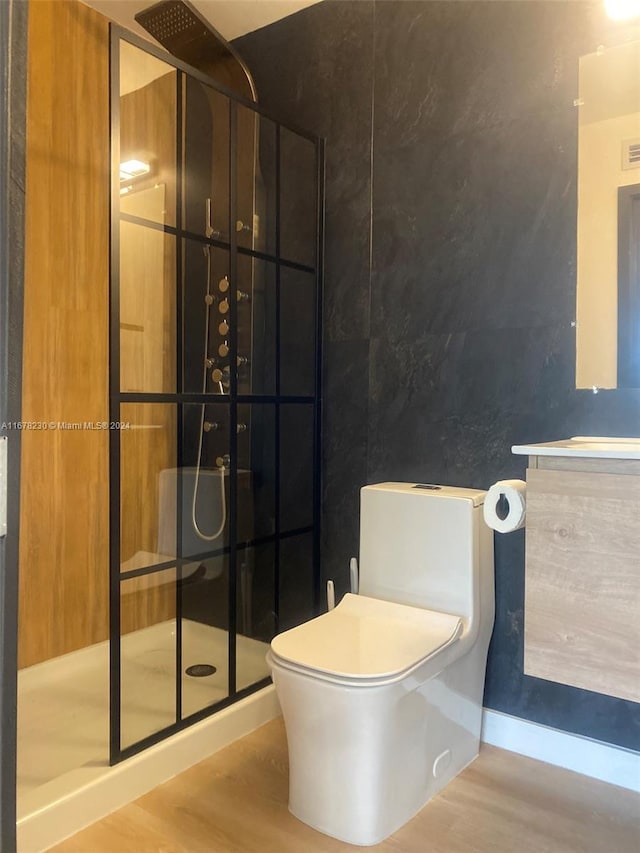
<point>382,696</point>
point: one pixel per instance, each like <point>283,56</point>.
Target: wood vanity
<point>582,587</point>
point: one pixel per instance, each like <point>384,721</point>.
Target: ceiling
<point>231,18</point>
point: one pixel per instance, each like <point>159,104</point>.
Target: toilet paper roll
<point>515,493</point>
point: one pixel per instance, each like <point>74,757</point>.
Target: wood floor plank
<point>236,802</point>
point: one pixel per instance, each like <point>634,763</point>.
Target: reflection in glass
<point>148,654</point>
<point>147,508</point>
<point>147,135</point>
<point>204,484</point>
<point>206,161</point>
<point>608,300</point>
<point>256,321</point>
<point>256,180</point>
<point>256,471</point>
<point>205,635</point>
<point>207,325</point>
<point>147,310</point>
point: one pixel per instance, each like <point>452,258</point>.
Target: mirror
<point>608,288</point>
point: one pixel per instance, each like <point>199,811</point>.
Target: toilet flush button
<point>441,763</point>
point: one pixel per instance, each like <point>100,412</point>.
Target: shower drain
<point>200,670</point>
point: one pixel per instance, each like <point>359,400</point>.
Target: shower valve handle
<point>209,230</point>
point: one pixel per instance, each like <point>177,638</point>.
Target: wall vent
<point>631,154</point>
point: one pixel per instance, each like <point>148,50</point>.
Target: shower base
<point>64,779</point>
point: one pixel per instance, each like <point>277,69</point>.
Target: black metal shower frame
<point>181,398</point>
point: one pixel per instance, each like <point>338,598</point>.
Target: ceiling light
<point>621,10</point>
<point>133,169</point>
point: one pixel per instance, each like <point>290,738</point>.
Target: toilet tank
<point>423,545</point>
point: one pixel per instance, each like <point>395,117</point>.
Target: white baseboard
<point>613,764</point>
<point>66,805</point>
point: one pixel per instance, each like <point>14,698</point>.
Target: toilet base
<point>364,761</point>
<point>360,843</point>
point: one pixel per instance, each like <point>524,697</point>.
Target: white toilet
<point>382,696</point>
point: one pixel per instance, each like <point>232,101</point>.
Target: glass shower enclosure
<point>216,269</point>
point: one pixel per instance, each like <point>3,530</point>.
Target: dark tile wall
<point>450,267</point>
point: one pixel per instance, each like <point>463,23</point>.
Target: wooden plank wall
<point>147,342</point>
<point>64,496</point>
<point>582,594</point>
<point>64,531</point>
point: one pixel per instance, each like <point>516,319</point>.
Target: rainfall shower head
<point>177,26</point>
<point>183,31</point>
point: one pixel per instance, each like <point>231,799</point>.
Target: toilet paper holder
<point>505,506</point>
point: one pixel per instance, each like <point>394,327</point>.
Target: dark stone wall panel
<point>451,268</point>
<point>315,70</point>
<point>344,454</point>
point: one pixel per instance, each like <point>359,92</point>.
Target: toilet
<point>382,696</point>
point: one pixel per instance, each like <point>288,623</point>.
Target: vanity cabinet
<point>582,586</point>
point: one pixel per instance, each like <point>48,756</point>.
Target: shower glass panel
<point>256,612</point>
<point>256,451</point>
<point>206,329</point>
<point>256,325</point>
<point>147,308</point>
<point>206,190</point>
<point>296,466</point>
<point>148,450</point>
<point>298,198</point>
<point>297,332</point>
<point>148,654</point>
<point>204,484</point>
<point>215,353</point>
<point>255,223</point>
<point>147,136</point>
<point>204,548</point>
<point>204,608</point>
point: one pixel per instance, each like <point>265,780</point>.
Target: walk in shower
<point>150,606</point>
<point>214,392</point>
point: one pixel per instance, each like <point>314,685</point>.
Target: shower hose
<point>206,537</point>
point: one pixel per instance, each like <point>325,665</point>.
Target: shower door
<point>214,392</point>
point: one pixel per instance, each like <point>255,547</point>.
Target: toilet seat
<point>365,641</point>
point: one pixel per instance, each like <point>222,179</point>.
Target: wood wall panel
<point>64,494</point>
<point>147,344</point>
<point>64,529</point>
<point>582,593</point>
<point>147,448</point>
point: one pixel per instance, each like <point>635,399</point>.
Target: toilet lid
<point>365,638</point>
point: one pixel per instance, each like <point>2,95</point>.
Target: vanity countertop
<point>589,446</point>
